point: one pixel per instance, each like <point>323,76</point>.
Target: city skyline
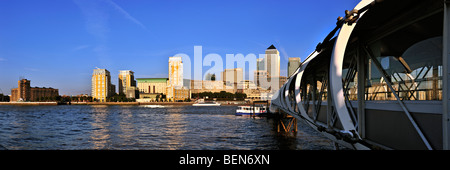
<point>58,43</point>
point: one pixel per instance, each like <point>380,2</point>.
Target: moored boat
<point>257,110</point>
<point>206,103</point>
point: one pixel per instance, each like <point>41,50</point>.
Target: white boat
<point>153,106</point>
<point>258,110</point>
<point>206,103</point>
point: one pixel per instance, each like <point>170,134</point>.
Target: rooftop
<point>271,47</point>
<point>152,80</point>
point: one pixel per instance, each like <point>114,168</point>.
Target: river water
<point>74,127</point>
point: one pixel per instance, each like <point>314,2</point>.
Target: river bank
<point>30,103</point>
<point>131,103</point>
<point>227,103</point>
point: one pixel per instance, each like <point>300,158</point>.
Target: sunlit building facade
<point>272,62</point>
<point>175,72</point>
<point>127,84</point>
<point>175,89</point>
<point>101,85</point>
<point>24,92</point>
<point>293,64</point>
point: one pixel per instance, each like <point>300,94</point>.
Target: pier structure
<point>379,80</point>
<point>286,123</point>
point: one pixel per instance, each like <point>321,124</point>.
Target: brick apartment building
<point>24,92</point>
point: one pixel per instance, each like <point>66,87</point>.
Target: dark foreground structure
<point>379,80</point>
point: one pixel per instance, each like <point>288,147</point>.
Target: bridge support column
<point>445,78</point>
<point>361,67</point>
<point>286,123</point>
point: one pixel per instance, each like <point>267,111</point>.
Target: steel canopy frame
<point>342,112</point>
<point>337,91</point>
<point>337,108</point>
<point>337,58</point>
<point>405,110</point>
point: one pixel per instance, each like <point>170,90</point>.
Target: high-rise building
<point>175,89</point>
<point>175,72</point>
<point>101,85</point>
<point>22,92</point>
<point>260,71</point>
<point>293,64</point>
<point>126,80</point>
<point>272,61</point>
<point>127,84</point>
<point>259,76</point>
<point>260,64</point>
<point>232,77</point>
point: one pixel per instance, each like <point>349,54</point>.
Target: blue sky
<point>57,43</point>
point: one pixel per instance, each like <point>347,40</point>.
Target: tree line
<point>115,98</point>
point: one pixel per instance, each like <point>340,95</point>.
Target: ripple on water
<point>137,127</point>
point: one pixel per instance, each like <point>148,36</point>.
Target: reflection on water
<point>100,127</point>
<point>136,127</point>
<point>174,130</point>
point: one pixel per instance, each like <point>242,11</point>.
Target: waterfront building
<point>132,92</point>
<point>257,94</point>
<point>275,81</point>
<point>246,84</point>
<point>231,78</point>
<point>268,69</point>
<point>24,92</point>
<point>272,59</point>
<point>259,75</point>
<point>152,85</point>
<point>281,80</point>
<point>209,86</point>
<point>127,84</point>
<point>175,86</point>
<point>175,72</point>
<point>293,64</point>
<point>150,97</point>
<point>178,94</point>
<point>101,85</point>
<point>151,88</point>
<point>260,64</point>
<point>112,90</point>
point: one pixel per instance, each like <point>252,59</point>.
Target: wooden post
<point>295,124</point>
